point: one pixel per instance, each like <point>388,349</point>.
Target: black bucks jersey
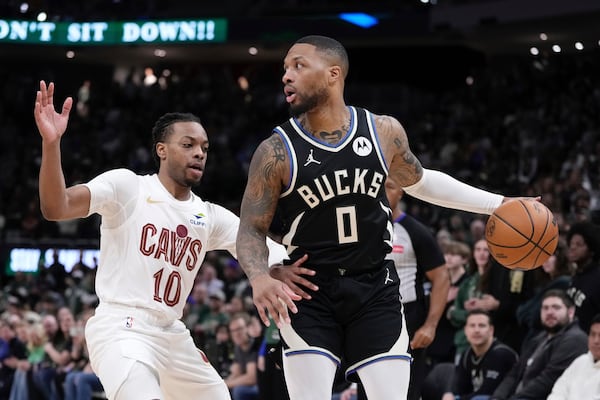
<point>335,208</point>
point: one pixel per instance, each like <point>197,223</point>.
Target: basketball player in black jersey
<point>325,169</point>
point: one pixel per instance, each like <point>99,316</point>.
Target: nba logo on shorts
<point>128,322</point>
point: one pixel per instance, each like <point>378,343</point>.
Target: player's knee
<point>140,383</point>
<point>394,370</point>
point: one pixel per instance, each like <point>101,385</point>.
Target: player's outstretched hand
<point>292,275</point>
<point>274,298</point>
<point>51,124</point>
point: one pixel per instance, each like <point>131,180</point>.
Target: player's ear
<point>335,74</point>
<point>161,150</point>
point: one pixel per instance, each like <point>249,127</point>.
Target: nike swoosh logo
<point>149,200</point>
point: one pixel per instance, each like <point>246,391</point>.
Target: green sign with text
<point>113,33</point>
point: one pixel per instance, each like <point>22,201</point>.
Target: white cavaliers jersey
<point>152,245</point>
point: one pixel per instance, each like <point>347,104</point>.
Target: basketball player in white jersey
<point>155,233</point>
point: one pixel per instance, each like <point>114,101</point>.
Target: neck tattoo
<point>330,137</point>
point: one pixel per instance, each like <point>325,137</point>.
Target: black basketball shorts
<point>354,319</point>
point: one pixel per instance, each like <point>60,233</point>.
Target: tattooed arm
<point>268,172</point>
<point>404,168</point>
<point>432,186</point>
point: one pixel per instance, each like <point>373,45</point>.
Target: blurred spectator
<point>442,349</point>
<point>19,289</point>
<point>583,240</point>
<point>57,354</point>
<point>581,379</point>
<point>236,284</point>
<point>209,278</point>
<point>242,381</point>
<point>57,274</point>
<point>555,273</point>
<point>255,327</point>
<point>235,305</point>
<point>78,291</point>
<point>196,308</point>
<point>476,230</point>
<point>80,268</point>
<point>88,281</point>
<point>219,350</point>
<point>205,327</point>
<point>550,353</point>
<point>483,366</point>
<point>443,236</point>
<point>67,326</point>
<point>80,380</point>
<point>12,349</point>
<point>49,303</point>
<point>23,387</point>
<point>492,288</point>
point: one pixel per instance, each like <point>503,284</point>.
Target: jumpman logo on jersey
<point>311,159</point>
<point>387,277</point>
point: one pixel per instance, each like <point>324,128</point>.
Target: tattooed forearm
<point>258,206</point>
<point>251,245</point>
<point>252,252</point>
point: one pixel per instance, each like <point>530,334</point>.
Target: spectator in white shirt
<point>581,379</point>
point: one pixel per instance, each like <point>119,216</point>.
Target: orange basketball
<point>521,234</point>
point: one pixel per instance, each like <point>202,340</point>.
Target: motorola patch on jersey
<point>362,146</point>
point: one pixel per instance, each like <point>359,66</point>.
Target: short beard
<point>308,104</point>
<point>555,329</point>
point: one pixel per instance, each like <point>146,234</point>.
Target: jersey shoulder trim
<point>293,162</point>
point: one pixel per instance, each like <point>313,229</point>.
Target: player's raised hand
<point>51,124</point>
<point>274,298</point>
